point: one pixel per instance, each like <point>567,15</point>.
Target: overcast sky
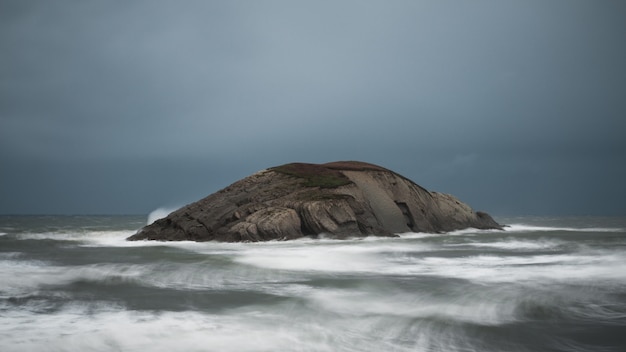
<point>515,107</point>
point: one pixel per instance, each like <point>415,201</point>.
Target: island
<point>339,200</point>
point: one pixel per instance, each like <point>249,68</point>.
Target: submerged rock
<point>339,199</point>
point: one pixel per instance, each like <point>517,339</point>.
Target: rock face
<point>339,199</point>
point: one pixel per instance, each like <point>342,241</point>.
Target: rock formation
<point>339,200</point>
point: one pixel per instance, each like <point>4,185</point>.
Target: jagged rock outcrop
<point>339,199</point>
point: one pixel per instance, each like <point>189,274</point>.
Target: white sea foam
<point>80,329</point>
<point>77,235</point>
<point>309,259</point>
<point>20,277</point>
<point>470,307</point>
<point>542,268</point>
<point>407,255</point>
<point>516,244</point>
<point>23,277</point>
<point>77,330</point>
<point>88,238</point>
<point>470,231</point>
<point>413,259</point>
<point>114,239</point>
<point>416,235</point>
<point>88,327</point>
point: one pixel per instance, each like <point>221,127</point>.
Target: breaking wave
<point>534,228</point>
<point>159,213</point>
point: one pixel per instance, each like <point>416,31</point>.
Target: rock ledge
<point>339,199</point>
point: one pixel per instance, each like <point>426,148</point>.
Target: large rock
<point>339,200</point>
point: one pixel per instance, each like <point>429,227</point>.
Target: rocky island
<point>339,200</point>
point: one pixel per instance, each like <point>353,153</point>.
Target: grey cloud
<point>487,89</point>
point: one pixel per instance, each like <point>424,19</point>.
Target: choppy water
<point>544,284</point>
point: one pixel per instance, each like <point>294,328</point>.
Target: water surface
<point>544,284</point>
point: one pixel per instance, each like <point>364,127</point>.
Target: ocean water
<point>545,284</point>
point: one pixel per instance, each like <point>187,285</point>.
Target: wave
<point>25,277</point>
<point>535,269</point>
<point>10,255</point>
<point>80,328</point>
<point>74,235</point>
<point>366,323</point>
<point>415,258</point>
<point>352,318</point>
<point>517,244</point>
<point>468,308</point>
<point>535,228</point>
<point>270,268</point>
<point>86,238</point>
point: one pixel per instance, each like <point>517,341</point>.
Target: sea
<point>73,283</point>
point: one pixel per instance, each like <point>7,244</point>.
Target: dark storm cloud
<point>513,106</point>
